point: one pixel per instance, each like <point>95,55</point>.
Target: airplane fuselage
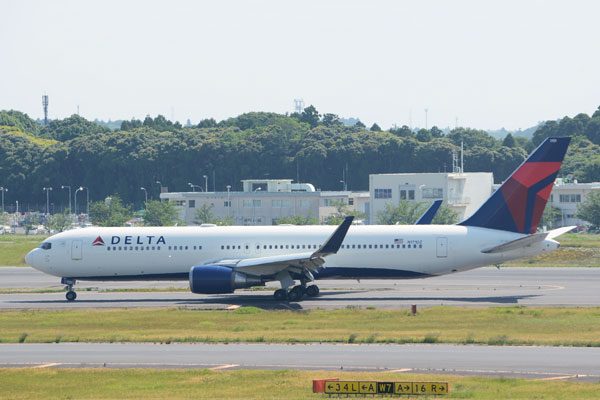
<point>154,253</point>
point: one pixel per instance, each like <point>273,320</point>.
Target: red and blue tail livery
<point>518,204</point>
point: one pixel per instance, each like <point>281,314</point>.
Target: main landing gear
<point>296,293</point>
<point>71,295</point>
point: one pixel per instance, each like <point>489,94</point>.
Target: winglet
<point>428,215</point>
<point>332,245</point>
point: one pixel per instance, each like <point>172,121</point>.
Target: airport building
<point>462,192</point>
<point>567,196</point>
<point>264,201</point>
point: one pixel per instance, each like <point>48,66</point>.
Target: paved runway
<point>480,287</point>
<point>538,362</point>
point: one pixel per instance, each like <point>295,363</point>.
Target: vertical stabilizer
<point>518,204</point>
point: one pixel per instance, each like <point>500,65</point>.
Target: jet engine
<point>213,279</point>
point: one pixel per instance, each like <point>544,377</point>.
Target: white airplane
<point>222,259</point>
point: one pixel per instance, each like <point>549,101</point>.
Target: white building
<point>568,196</point>
<point>264,201</point>
<point>462,192</point>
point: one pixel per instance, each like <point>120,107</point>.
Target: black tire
<point>296,294</point>
<point>71,295</point>
<point>312,291</point>
<point>280,295</point>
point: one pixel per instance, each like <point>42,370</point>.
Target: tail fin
<point>518,204</point>
<point>429,214</point>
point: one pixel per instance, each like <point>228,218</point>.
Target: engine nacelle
<point>214,279</point>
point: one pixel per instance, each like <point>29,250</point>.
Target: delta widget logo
<point>98,242</point>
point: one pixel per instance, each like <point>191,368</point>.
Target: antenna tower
<point>45,105</point>
<point>298,105</point>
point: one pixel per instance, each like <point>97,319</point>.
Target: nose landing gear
<point>71,295</point>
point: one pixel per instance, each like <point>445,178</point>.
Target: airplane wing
<point>296,262</point>
<point>428,215</point>
<point>528,240</point>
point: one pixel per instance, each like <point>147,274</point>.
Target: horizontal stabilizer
<point>560,231</point>
<point>528,240</point>
<point>517,244</point>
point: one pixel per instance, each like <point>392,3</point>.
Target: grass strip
<point>13,248</point>
<point>150,384</point>
<point>463,325</point>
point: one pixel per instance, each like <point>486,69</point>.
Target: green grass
<point>493,325</point>
<point>577,250</point>
<point>151,384</point>
<point>13,248</point>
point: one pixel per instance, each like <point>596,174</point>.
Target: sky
<point>482,64</point>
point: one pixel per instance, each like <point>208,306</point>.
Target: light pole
<point>344,185</point>
<point>3,189</point>
<point>228,201</point>
<point>426,110</point>
<point>78,190</point>
<point>145,194</point>
<point>159,183</point>
<point>47,190</point>
<point>205,182</point>
<point>190,184</point>
<point>68,187</point>
<point>87,200</point>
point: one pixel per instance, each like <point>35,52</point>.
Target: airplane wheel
<point>312,291</point>
<point>296,293</point>
<point>280,295</point>
<point>71,295</point>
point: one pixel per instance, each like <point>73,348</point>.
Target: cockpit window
<point>46,246</point>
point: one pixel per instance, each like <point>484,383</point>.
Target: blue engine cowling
<point>214,279</point>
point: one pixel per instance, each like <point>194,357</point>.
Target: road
<point>523,361</point>
<point>480,287</point>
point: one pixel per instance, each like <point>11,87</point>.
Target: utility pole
<point>426,110</point>
<point>47,190</point>
<point>68,187</point>
<point>3,189</point>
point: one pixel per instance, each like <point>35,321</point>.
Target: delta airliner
<point>221,259</point>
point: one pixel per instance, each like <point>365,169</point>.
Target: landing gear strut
<point>69,282</point>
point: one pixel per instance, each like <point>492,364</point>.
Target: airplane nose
<point>29,257</point>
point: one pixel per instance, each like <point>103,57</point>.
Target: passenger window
<point>353,246</point>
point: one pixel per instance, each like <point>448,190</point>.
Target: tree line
<point>308,146</point>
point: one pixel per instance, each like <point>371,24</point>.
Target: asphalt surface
<point>480,287</point>
<point>537,362</point>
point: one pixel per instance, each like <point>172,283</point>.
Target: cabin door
<point>442,247</point>
<point>76,250</point>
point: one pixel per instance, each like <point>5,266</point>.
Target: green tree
<point>551,216</point>
<point>509,141</point>
<point>405,213</point>
<point>297,220</point>
<point>59,222</point>
<point>311,116</point>
<point>205,215</point>
<point>375,128</point>
<point>589,210</point>
<point>342,210</point>
<point>331,120</point>
<point>359,124</point>
<point>31,221</point>
<point>4,218</point>
<point>445,216</point>
<point>161,213</point>
<point>111,212</point>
